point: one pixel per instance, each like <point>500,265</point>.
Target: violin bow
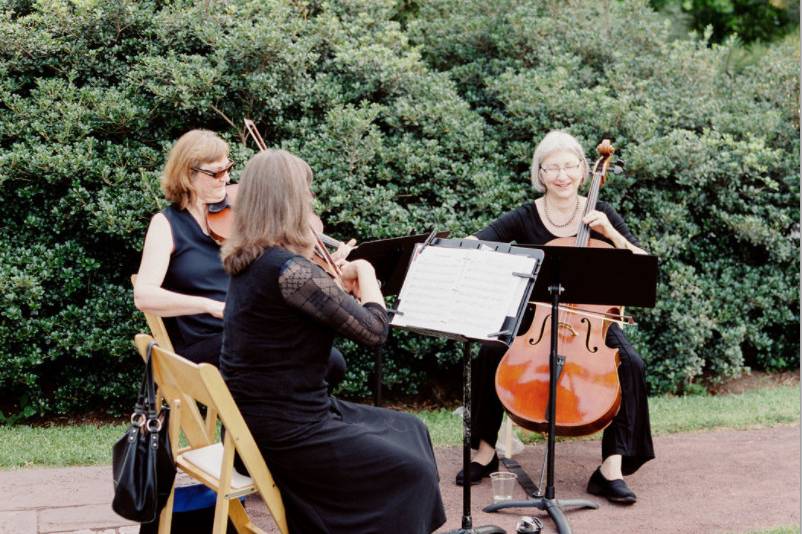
<point>250,127</point>
<point>320,239</point>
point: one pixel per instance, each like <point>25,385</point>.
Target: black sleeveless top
<point>195,269</point>
<point>524,225</point>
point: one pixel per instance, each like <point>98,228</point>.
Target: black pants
<point>629,434</point>
<point>206,350</point>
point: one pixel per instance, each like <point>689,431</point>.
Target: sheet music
<point>468,292</point>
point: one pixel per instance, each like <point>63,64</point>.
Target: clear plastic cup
<point>503,485</point>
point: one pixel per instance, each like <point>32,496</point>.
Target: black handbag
<point>142,461</point>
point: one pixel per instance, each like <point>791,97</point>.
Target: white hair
<point>556,141</point>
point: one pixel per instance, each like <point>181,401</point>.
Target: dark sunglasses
<point>220,173</point>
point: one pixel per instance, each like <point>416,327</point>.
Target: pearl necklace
<point>566,223</point>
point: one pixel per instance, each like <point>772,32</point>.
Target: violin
<point>220,215</point>
<point>588,391</point>
<point>220,219</point>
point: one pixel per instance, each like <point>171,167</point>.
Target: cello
<point>588,391</point>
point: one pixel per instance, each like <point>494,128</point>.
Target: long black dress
<point>341,467</point>
<point>629,433</point>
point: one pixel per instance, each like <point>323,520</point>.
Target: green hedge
<point>751,20</point>
<point>412,116</point>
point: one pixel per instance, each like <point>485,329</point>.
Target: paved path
<point>707,482</point>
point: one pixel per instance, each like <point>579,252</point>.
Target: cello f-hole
<point>587,338</point>
<point>532,341</point>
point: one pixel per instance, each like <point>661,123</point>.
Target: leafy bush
<point>712,158</point>
<point>751,20</point>
<point>413,116</point>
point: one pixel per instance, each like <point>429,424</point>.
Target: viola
<point>588,391</point>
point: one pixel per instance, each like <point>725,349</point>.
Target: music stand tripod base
<point>552,506</point>
<point>467,521</point>
<point>548,502</point>
<point>490,529</point>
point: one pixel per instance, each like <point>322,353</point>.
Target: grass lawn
<point>29,446</point>
<point>754,408</point>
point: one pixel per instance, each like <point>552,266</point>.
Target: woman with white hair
<point>559,168</point>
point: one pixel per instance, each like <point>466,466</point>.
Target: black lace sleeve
<point>308,288</point>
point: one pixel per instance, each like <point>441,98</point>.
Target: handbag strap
<point>150,405</point>
<point>145,407</point>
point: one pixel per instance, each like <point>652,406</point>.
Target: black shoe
<point>478,471</point>
<point>614,490</point>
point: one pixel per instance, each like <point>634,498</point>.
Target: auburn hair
<point>192,149</point>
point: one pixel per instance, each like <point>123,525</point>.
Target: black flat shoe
<point>478,471</point>
<point>615,491</point>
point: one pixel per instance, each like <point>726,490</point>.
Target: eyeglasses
<point>218,174</point>
<point>554,172</point>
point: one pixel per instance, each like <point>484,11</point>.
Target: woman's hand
<point>351,272</point>
<point>215,308</point>
<point>359,277</point>
<point>599,222</point>
<point>342,252</point>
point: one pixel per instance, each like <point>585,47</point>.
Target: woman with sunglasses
<point>181,277</point>
<point>558,170</point>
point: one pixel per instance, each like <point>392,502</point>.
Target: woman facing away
<point>341,467</point>
<point>181,277</point>
<point>559,168</point>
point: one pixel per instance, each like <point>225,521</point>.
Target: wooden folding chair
<point>184,385</point>
<point>156,326</point>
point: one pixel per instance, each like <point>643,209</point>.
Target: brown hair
<point>192,149</point>
<point>273,208</point>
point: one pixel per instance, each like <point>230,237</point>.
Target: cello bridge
<point>568,327</point>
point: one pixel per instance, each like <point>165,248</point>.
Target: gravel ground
<point>732,481</point>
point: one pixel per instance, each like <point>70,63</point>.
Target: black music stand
<point>507,333</point>
<point>587,276</point>
<point>390,258</point>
